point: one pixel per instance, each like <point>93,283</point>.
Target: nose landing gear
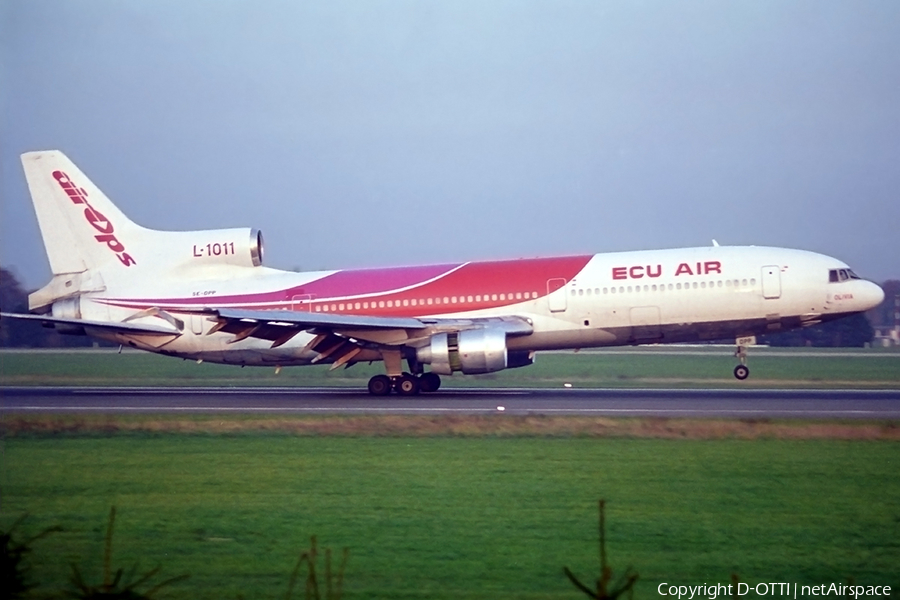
<point>741,372</point>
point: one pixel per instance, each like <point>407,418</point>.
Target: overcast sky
<point>375,133</point>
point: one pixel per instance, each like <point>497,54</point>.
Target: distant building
<point>889,335</point>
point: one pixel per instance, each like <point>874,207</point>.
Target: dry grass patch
<point>454,426</point>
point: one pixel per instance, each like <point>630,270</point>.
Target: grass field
<point>435,507</point>
<point>444,517</point>
<point>644,367</point>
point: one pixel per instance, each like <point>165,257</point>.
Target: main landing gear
<point>741,371</point>
<point>405,385</point>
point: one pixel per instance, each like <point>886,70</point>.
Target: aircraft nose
<point>871,295</point>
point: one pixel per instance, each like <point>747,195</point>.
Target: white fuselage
<point>660,296</point>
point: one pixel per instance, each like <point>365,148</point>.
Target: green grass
<point>457,517</point>
<point>649,368</point>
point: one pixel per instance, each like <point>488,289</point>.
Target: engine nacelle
<point>237,247</point>
<point>471,351</point>
<point>67,308</point>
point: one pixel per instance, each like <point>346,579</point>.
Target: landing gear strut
<point>741,372</point>
<point>405,385</point>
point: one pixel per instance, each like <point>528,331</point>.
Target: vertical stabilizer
<point>93,247</point>
<point>82,229</point>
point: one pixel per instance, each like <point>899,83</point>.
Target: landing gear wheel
<point>407,385</point>
<point>741,372</point>
<point>429,382</point>
<point>380,385</point>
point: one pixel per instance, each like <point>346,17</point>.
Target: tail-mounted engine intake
<point>471,351</point>
<point>238,247</point>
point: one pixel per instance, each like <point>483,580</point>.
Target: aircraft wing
<point>279,326</point>
<point>112,326</point>
<point>308,320</point>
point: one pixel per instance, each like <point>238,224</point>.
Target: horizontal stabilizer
<point>132,328</point>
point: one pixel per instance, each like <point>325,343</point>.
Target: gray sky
<point>375,133</point>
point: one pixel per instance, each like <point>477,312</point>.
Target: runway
<point>725,403</point>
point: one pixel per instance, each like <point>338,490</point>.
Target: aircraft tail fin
<point>92,245</point>
<point>82,229</point>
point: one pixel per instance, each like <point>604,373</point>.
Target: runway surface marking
<point>723,403</point>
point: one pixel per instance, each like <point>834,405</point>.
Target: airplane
<point>206,296</point>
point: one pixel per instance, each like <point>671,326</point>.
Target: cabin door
<point>771,282</point>
<point>556,295</point>
<point>301,302</point>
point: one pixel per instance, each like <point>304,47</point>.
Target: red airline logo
<point>639,271</point>
<point>95,218</point>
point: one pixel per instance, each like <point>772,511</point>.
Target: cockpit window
<point>836,275</point>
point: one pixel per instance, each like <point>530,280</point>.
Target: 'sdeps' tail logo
<point>103,225</point>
